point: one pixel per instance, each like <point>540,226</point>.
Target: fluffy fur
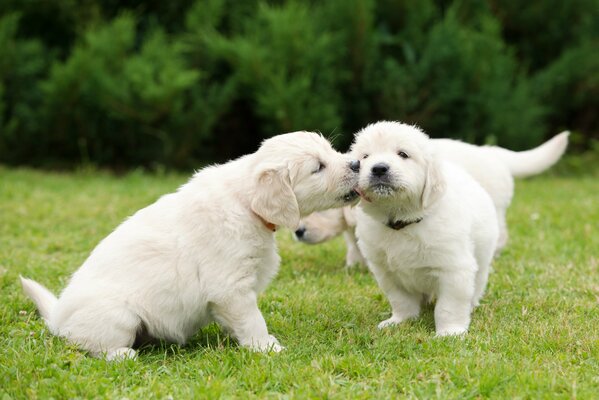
<point>198,255</point>
<point>445,249</point>
<point>494,168</point>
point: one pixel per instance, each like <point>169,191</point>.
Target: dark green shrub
<point>22,64</point>
<point>112,103</point>
<point>286,66</point>
<point>188,82</point>
<point>569,88</point>
<point>462,83</point>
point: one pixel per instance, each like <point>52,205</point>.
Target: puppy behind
<point>201,254</point>
<point>426,227</point>
<point>321,226</point>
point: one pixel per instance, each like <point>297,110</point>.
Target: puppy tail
<point>42,297</point>
<point>534,161</point>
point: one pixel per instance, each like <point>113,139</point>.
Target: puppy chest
<point>413,263</point>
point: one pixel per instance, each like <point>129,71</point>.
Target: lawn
<point>536,334</point>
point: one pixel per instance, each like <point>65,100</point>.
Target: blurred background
<point>182,83</point>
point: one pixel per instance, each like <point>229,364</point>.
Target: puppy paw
<point>390,322</point>
<point>452,331</point>
<point>123,353</point>
<point>270,344</point>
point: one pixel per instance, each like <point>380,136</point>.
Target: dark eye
<point>365,156</point>
<point>403,154</point>
<point>321,166</point>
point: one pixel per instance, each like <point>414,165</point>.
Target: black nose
<point>300,232</point>
<point>380,169</point>
<point>355,165</point>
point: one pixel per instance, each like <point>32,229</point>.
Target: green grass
<point>536,334</point>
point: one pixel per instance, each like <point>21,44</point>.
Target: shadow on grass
<point>208,338</point>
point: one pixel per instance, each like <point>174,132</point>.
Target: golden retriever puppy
<point>322,226</point>
<point>201,254</point>
<point>426,227</point>
<point>494,168</point>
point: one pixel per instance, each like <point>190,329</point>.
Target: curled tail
<point>42,297</point>
<point>534,161</point>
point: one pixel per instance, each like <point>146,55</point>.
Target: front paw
<point>266,345</point>
<point>390,322</point>
<point>452,331</point>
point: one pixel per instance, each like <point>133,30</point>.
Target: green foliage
<point>463,82</point>
<point>123,83</point>
<point>287,67</point>
<point>570,89</point>
<point>113,102</point>
<point>22,65</point>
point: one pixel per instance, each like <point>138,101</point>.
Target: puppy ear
<point>274,199</point>
<point>434,184</point>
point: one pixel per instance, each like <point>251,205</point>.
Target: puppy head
<point>397,164</point>
<point>321,226</point>
<point>299,173</point>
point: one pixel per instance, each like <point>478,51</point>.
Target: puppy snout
<point>379,169</point>
<point>300,232</point>
<point>354,165</point>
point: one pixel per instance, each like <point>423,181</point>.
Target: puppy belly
<point>417,280</point>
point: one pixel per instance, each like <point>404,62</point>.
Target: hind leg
<point>106,331</point>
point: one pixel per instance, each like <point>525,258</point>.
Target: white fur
<point>494,168</point>
<point>447,254</point>
<point>198,255</point>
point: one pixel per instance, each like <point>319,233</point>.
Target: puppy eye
<point>365,156</point>
<point>403,154</point>
<point>321,166</point>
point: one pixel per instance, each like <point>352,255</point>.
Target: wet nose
<point>355,165</point>
<point>300,232</point>
<point>380,169</point>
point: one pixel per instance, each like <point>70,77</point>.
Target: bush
<point>113,103</point>
<point>463,83</point>
<point>23,64</point>
<point>570,89</point>
<point>124,83</point>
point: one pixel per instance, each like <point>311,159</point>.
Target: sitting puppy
<point>426,227</point>
<point>201,254</point>
<point>494,168</point>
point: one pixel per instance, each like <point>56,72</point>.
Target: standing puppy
<point>426,227</point>
<point>201,254</point>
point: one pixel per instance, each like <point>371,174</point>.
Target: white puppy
<point>426,227</point>
<point>201,254</point>
<point>324,225</point>
<point>494,168</point>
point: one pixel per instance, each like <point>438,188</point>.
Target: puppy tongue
<point>362,194</point>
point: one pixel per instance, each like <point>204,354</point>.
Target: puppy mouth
<point>378,190</point>
<point>350,196</point>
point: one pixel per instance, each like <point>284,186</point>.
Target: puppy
<point>321,226</point>
<point>426,227</point>
<point>494,168</point>
<point>201,254</point>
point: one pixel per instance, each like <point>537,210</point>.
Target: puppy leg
<point>454,303</point>
<point>240,316</point>
<point>353,255</point>
<point>404,305</point>
<point>104,330</point>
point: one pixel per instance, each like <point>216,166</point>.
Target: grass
<point>536,334</point>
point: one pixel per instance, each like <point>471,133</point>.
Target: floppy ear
<point>434,184</point>
<point>274,199</point>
